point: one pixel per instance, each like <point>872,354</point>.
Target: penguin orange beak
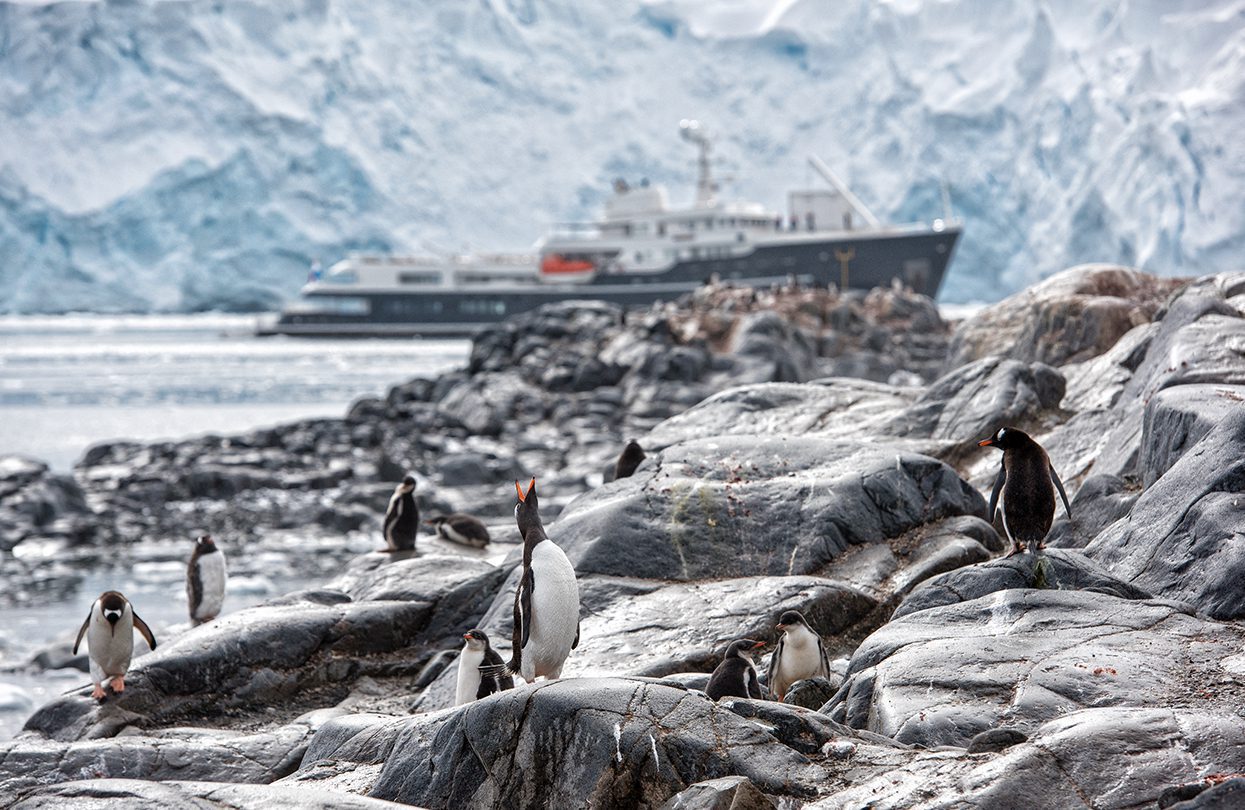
<point>523,497</point>
<point>985,443</point>
<point>468,636</point>
<point>780,626</point>
<point>758,645</point>
<point>519,490</point>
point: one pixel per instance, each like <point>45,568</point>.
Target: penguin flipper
<point>774,658</point>
<point>525,593</point>
<point>575,643</point>
<point>141,627</point>
<point>754,684</point>
<point>81,633</point>
<point>994,496</point>
<point>825,658</point>
<point>1054,477</point>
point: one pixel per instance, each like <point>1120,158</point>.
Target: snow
<point>185,156</point>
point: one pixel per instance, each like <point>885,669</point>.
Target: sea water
<point>67,382</point>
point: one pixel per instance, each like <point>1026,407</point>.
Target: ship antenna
<point>947,214</point>
<point>706,189</point>
<point>859,207</point>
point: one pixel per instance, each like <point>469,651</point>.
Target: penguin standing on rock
<point>402,517</point>
<point>462,529</point>
<point>546,603</point>
<point>205,581</point>
<point>1027,484</point>
<point>736,676</point>
<point>109,630</point>
<point>478,665</point>
<point>628,460</point>
<point>799,655</point>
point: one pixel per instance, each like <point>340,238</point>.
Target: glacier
<point>199,154</point>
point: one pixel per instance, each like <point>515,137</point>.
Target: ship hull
<point>916,259</point>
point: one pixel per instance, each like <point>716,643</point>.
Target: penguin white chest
<point>212,578</point>
<point>555,613</point>
<point>469,662</point>
<point>110,647</point>
<point>801,658</point>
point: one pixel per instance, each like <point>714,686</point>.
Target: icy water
<point>68,382</point>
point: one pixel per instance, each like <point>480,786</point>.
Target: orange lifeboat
<point>555,264</point>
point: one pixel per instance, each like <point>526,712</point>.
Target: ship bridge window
<point>343,277</point>
<point>419,278</point>
<point>343,305</point>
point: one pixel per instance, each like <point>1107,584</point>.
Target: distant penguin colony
<point>109,630</point>
<point>800,655</point>
<point>546,603</point>
<point>1026,483</point>
<point>462,529</point>
<point>736,676</point>
<point>629,460</point>
<point>402,517</point>
<point>481,671</point>
<point>205,581</point>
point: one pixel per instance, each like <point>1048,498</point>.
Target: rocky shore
<point>806,451</point>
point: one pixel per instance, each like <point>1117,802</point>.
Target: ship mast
<point>706,188</point>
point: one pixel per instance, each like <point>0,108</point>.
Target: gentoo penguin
<point>109,630</point>
<point>1027,482</point>
<point>402,517</point>
<point>628,460</point>
<point>480,669</point>
<point>205,581</point>
<point>462,529</point>
<point>546,603</point>
<point>736,676</point>
<point>799,655</point>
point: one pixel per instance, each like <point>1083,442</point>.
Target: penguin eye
<point>999,436</point>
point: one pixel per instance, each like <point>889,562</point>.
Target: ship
<point>642,250</point>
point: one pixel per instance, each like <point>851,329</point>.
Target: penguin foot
<point>1016,550</point>
<point>118,684</point>
<point>97,692</point>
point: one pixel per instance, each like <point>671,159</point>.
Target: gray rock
<point>943,675</point>
<point>725,793</point>
<point>812,693</point>
<point>136,794</point>
<point>1226,795</point>
<point>1100,501</point>
<point>995,739</point>
<point>1056,569</point>
<point>576,742</point>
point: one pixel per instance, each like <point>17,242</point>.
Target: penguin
<point>736,676</point>
<point>799,655</point>
<point>402,517</point>
<point>480,669</point>
<point>462,529</point>
<point>629,459</point>
<point>109,630</point>
<point>546,603</point>
<point>1027,484</point>
<point>205,581</point>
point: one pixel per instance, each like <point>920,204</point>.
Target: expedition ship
<point>641,251</point>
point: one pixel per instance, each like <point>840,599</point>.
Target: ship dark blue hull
<point>918,260</point>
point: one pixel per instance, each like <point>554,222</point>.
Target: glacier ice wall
<point>199,154</point>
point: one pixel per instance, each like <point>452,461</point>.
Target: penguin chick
<point>799,655</point>
<point>546,603</point>
<point>402,517</point>
<point>736,676</point>
<point>460,528</point>
<point>109,630</point>
<point>628,460</point>
<point>481,671</point>
<point>1027,484</point>
<point>205,581</point>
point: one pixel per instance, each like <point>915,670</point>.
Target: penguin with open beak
<point>481,671</point>
<point>736,676</point>
<point>1024,489</point>
<point>800,654</point>
<point>109,630</point>
<point>402,517</point>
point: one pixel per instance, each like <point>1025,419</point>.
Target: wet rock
<point>943,675</point>
<point>725,793</point>
<point>812,693</point>
<point>995,739</point>
<point>34,502</point>
<point>577,742</point>
<point>739,505</point>
<point>1224,795</point>
<point>1100,501</point>
<point>1056,569</point>
<point>143,795</point>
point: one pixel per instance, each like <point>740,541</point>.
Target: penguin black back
<point>402,517</point>
<point>493,674</point>
<point>629,460</point>
<point>1027,482</point>
<point>736,676</point>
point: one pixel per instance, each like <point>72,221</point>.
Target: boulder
<point>136,794</point>
<point>1100,501</point>
<point>578,742</point>
<point>942,675</point>
<point>725,793</point>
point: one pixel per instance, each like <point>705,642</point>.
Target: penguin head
<point>1006,438</point>
<point>476,638</point>
<point>204,544</point>
<point>527,510</point>
<point>741,648</point>
<point>435,521</point>
<point>790,618</point>
<point>407,485</point>
<point>112,605</point>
